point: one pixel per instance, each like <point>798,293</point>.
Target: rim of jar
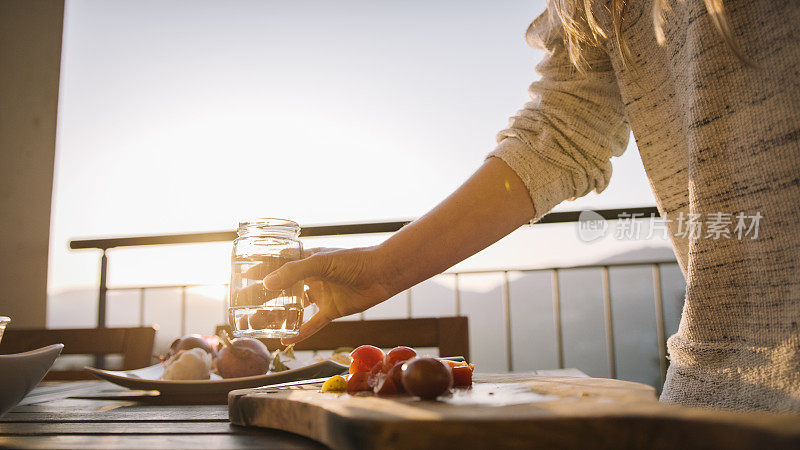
<point>268,226</point>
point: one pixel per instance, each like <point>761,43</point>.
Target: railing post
<point>612,357</point>
<point>100,360</point>
<point>101,294</point>
<point>183,310</point>
<point>662,339</point>
<point>141,307</point>
<point>458,296</point>
<point>507,311</point>
<point>557,320</point>
<point>408,303</point>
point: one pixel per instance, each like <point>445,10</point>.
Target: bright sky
<point>180,116</point>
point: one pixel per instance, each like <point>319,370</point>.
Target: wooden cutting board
<point>510,411</point>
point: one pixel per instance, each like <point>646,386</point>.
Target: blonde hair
<point>581,28</point>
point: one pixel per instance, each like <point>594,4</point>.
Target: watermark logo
<point>591,226</point>
<point>693,226</point>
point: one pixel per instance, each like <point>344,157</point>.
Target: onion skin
<point>189,342</point>
<point>243,357</point>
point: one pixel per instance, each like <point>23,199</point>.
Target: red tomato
<point>462,376</point>
<point>376,371</point>
<point>385,385</point>
<point>357,382</point>
<point>380,381</point>
<point>364,358</point>
<point>399,354</point>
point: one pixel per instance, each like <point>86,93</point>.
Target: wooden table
<point>52,417</point>
<point>58,415</point>
<point>97,414</point>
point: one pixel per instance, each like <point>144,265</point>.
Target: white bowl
<point>21,372</point>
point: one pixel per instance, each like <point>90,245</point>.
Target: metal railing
<point>104,244</point>
<point>505,299</point>
<point>556,299</point>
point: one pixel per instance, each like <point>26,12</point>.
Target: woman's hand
<point>340,283</point>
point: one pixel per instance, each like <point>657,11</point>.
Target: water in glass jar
<point>258,312</point>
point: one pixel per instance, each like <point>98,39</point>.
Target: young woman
<point>712,94</point>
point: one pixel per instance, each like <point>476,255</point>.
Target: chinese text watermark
<point>630,226</point>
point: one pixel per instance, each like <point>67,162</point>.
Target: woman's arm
<point>557,147</point>
<point>492,203</point>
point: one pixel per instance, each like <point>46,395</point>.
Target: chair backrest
<point>449,334</point>
<point>135,344</point>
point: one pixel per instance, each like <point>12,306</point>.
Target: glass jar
<point>263,246</point>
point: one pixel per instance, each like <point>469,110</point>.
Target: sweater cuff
<point>548,185</point>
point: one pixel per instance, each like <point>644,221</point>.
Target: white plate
<point>148,379</point>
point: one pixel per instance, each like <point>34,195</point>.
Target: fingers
<point>273,263</point>
<point>315,290</point>
<point>314,324</point>
<point>254,294</point>
<point>290,273</point>
<point>310,251</point>
<point>308,298</point>
<point>313,251</point>
<point>269,264</point>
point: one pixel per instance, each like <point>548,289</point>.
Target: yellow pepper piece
<point>336,383</point>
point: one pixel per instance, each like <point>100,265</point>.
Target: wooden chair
<point>449,334</point>
<point>135,344</point>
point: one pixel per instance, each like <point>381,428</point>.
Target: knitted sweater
<point>718,140</point>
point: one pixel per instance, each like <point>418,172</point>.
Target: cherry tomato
<point>399,354</point>
<point>364,358</point>
<point>462,376</point>
<point>385,385</point>
<point>357,382</point>
<point>376,371</point>
<point>427,378</point>
<point>380,381</point>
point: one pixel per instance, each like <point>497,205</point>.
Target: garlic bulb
<point>193,364</point>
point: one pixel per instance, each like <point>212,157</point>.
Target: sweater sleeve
<point>561,142</point>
